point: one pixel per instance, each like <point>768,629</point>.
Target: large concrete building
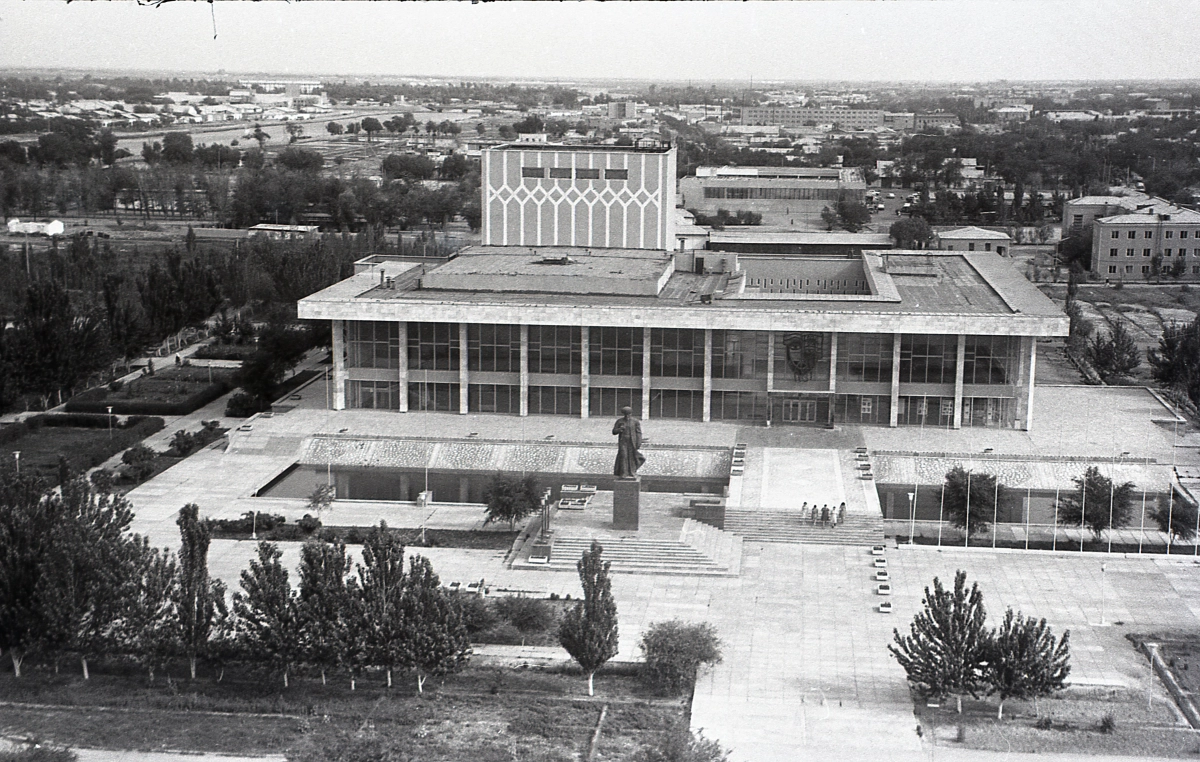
<point>864,337</point>
<point>1155,239</point>
<point>543,194</point>
<point>782,195</point>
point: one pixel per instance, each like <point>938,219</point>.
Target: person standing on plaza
<point>842,513</point>
<point>825,515</point>
<point>814,514</point>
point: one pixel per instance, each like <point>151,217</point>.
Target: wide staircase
<point>781,526</point>
<point>700,550</point>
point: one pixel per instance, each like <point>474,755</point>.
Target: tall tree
<point>371,125</point>
<point>148,628</point>
<point>945,652</point>
<point>1099,504</point>
<point>324,601</point>
<point>970,499</point>
<point>24,545</point>
<point>201,601</point>
<point>511,498</point>
<point>438,643</point>
<point>56,346</point>
<point>267,611</point>
<point>381,587</point>
<point>1115,354</point>
<point>86,569</point>
<point>1025,661</point>
<point>589,631</point>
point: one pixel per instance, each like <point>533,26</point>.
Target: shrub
<point>477,615</point>
<point>674,650</point>
<point>248,523</point>
<point>242,405</point>
<point>679,744</point>
<point>139,461</point>
<point>528,615</point>
<point>39,752</point>
<point>505,634</point>
<point>1044,723</point>
<point>1107,724</point>
<point>309,523</point>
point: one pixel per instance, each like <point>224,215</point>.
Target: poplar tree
<point>148,628</point>
<point>1026,661</point>
<point>589,631</point>
<point>267,612</point>
<point>438,643</point>
<point>947,647</point>
<point>324,603</point>
<point>24,543</point>
<point>201,600</point>
<point>380,626</point>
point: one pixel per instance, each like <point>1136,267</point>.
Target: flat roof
<point>561,269</point>
<point>939,292</point>
<point>584,148</point>
<point>975,233</point>
<point>801,237</point>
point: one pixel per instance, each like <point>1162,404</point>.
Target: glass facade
<point>802,364</point>
<point>864,357</point>
<point>739,354</point>
<point>615,351</point>
<point>991,360</point>
<point>927,359</point>
<point>373,395</point>
<point>372,344</point>
<point>555,400</point>
<point>494,348</point>
<point>433,346</point>
<point>676,353</point>
<point>554,349</point>
<point>494,398</point>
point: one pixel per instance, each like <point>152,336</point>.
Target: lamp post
<point>17,458</point>
<point>995,495</point>
<point>912,516</point>
<point>253,525</point>
<point>967,523</point>
<point>110,421</point>
<point>1103,593</point>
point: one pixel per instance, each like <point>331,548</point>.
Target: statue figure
<point>629,438</point>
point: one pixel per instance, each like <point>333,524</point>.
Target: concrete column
<point>708,350</point>
<point>1032,375</point>
<point>833,339</point>
<point>463,375</point>
<point>402,374</point>
<point>894,413</point>
<point>585,371</point>
<point>339,364</point>
<point>770,361</point>
<point>524,370</point>
<point>959,374</point>
<point>645,374</point>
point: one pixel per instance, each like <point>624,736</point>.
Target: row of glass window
<point>1150,234</point>
<point>682,403</point>
<point>745,193</point>
<point>679,353</point>
<point>1150,252</point>
<point>1114,270</point>
<point>578,173</point>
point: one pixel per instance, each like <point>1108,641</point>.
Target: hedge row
<point>88,402</point>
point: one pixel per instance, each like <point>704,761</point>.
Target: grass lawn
<point>1070,723</point>
<point>481,714</point>
<point>170,384</point>
<point>40,449</point>
<point>1168,295</point>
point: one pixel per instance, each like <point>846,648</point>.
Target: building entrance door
<point>800,411</point>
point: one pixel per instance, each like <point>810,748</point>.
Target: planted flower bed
<point>174,390</point>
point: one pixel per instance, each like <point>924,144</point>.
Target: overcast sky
<point>947,40</point>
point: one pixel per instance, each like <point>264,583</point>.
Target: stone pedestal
<point>626,493</point>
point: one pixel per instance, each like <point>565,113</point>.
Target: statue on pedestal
<point>629,441</point>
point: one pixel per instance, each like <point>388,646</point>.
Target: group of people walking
<point>829,517</point>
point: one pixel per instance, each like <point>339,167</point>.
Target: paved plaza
<point>806,673</point>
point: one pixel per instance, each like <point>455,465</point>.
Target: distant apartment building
<point>804,116</point>
<point>1012,113</point>
<point>1080,213</point>
<point>782,195</point>
<point>935,119</point>
<point>540,194</point>
<point>900,120</point>
<point>1157,239</point>
<point>622,110</point>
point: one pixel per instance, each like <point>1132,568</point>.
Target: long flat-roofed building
<point>920,338</point>
<point>784,196</point>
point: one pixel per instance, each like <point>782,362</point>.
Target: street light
<point>912,516</point>
<point>1103,591</point>
<point>253,525</point>
<point>110,421</point>
<point>17,457</point>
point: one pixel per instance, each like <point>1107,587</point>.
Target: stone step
<point>644,556</point>
<point>781,526</point>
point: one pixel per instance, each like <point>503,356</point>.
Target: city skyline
<point>842,41</point>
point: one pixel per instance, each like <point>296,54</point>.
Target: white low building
<point>51,228</point>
